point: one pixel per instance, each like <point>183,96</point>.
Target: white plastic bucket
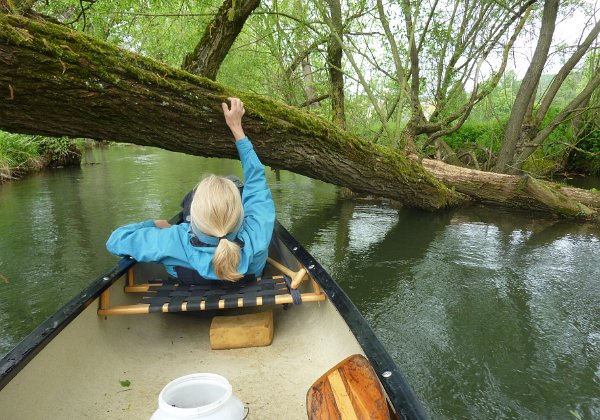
<point>205,396</point>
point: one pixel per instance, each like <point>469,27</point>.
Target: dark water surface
<point>489,314</point>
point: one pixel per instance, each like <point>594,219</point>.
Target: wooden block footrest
<point>349,391</point>
<point>234,332</point>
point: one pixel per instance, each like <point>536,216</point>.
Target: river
<point>489,314</point>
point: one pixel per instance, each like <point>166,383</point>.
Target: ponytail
<point>226,260</point>
<point>217,210</point>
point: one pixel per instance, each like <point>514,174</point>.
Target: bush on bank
<point>586,158</point>
<point>564,150</point>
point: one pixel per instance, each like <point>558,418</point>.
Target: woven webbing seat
<point>178,295</point>
<point>210,295</point>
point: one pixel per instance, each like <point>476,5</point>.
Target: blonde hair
<point>217,210</point>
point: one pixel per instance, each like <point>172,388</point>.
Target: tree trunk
<point>309,82</point>
<point>528,87</point>
<point>522,192</point>
<point>334,62</point>
<point>538,136</point>
<point>59,82</point>
<point>218,38</point>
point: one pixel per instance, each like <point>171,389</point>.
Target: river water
<point>489,314</point>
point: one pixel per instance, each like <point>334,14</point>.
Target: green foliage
<point>485,134</point>
<point>541,164</point>
<point>60,151</point>
<point>562,133</point>
<point>159,29</point>
<point>499,102</point>
<point>552,155</point>
<point>363,120</point>
<point>586,158</point>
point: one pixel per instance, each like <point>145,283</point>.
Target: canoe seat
<point>172,295</point>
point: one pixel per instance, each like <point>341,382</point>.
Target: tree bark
<point>522,192</point>
<point>59,82</point>
<point>218,38</point>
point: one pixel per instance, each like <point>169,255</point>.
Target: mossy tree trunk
<point>58,82</point>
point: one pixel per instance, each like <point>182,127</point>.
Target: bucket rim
<point>196,377</point>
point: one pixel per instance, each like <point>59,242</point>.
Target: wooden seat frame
<point>314,295</point>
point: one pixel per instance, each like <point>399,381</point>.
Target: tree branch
<point>564,72</point>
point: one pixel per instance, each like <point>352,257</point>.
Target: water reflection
<point>488,313</point>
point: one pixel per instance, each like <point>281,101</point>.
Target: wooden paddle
<point>349,391</point>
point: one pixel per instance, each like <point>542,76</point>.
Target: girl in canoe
<point>228,234</point>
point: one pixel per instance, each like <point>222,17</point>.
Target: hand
<point>162,224</point>
<point>233,117</point>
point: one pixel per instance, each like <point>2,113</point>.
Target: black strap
<point>176,304</point>
<point>194,241</point>
<point>212,302</point>
<point>296,295</point>
<point>157,303</point>
<point>231,302</point>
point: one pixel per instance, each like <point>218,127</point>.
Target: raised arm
<point>259,210</point>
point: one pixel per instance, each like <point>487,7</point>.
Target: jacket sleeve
<point>147,243</point>
<point>259,209</point>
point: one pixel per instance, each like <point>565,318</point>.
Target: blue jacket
<point>171,246</point>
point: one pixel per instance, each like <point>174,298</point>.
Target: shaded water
<point>489,314</point>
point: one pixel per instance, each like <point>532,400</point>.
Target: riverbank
<point>23,154</point>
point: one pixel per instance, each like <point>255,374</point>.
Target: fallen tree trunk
<point>522,192</point>
<point>57,82</point>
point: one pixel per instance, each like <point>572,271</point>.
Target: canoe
<point>83,363</point>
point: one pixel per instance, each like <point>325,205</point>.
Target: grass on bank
<point>21,154</point>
